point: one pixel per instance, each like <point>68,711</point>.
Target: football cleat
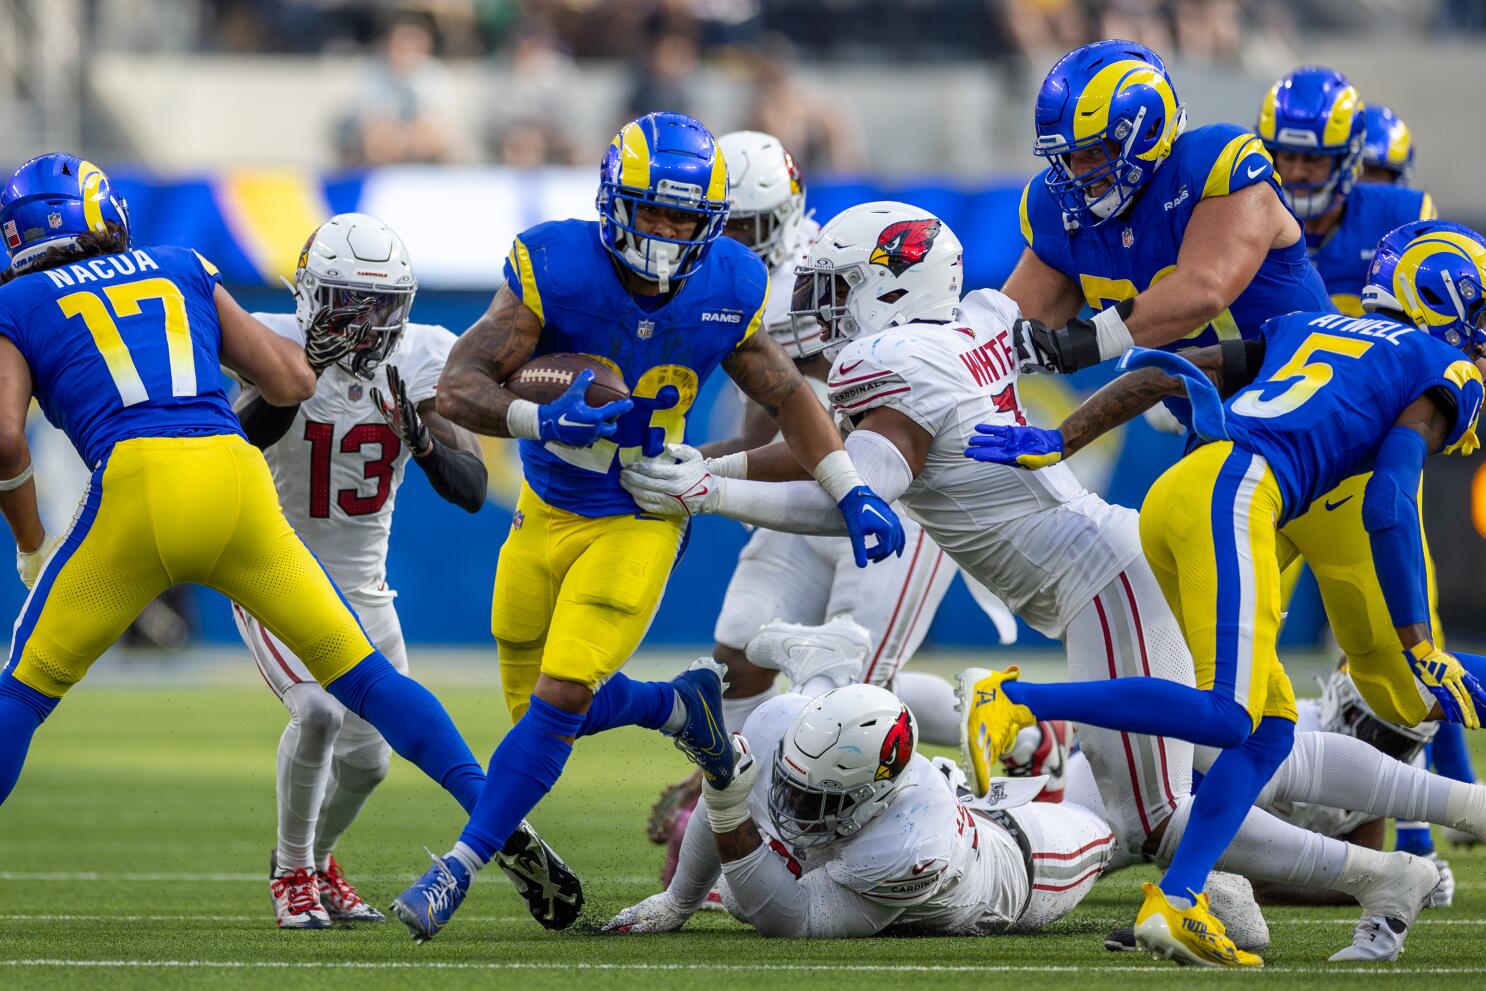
<point>1391,898</point>
<point>1042,749</point>
<point>1374,938</point>
<point>990,721</point>
<point>1459,837</point>
<point>296,899</point>
<point>341,901</point>
<point>1231,898</point>
<point>656,914</point>
<point>835,651</point>
<point>431,901</point>
<point>1121,940</point>
<point>553,893</point>
<point>1192,936</point>
<point>673,800</point>
<point>1443,895</point>
<point>704,739</point>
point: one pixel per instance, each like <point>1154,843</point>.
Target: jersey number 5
<point>125,300</point>
<point>1311,375</point>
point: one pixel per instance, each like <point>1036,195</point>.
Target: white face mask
<point>650,255</point>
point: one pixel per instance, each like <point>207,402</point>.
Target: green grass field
<point>134,853</point>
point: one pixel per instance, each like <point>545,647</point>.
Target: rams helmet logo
<point>903,245</point>
<point>897,746</point>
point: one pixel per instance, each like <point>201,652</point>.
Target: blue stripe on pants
<point>1230,579</point>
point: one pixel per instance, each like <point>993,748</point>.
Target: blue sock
<point>1237,777</point>
<point>1151,706</point>
<point>1449,755</point>
<point>1413,837</point>
<point>523,769</point>
<point>413,723</point>
<point>623,702</point>
<point>22,710</point>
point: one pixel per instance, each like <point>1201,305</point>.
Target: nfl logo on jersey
<point>1127,237</point>
<point>354,392</point>
<point>645,329</point>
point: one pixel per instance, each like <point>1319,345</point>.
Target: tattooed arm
<point>1130,395</point>
<point>765,373</point>
<point>471,393</point>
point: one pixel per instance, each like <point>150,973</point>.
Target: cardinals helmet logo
<point>897,748</point>
<point>903,245</point>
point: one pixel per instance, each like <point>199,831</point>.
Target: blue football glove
<point>867,515</point>
<point>1021,447</point>
<point>569,419</point>
<point>1458,692</point>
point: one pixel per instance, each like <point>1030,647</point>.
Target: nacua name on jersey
<point>1344,256</point>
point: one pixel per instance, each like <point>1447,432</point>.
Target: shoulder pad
<point>901,856</point>
<point>548,262</point>
<point>1462,381</point>
<point>1223,158</point>
<point>873,372</point>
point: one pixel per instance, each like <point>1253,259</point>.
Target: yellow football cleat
<point>1192,936</point>
<point>991,721</point>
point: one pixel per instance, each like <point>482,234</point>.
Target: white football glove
<point>656,914</point>
<point>1164,420</point>
<point>29,564</point>
<point>727,808</point>
<point>675,484</point>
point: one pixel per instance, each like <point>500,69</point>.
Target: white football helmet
<point>840,764</point>
<point>875,266</point>
<point>766,192</point>
<point>1345,711</point>
<point>353,290</point>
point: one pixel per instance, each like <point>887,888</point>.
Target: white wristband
<point>1113,336</point>
<point>521,420</point>
<point>837,475</point>
<point>733,465</point>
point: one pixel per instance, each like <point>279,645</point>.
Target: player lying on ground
<point>1319,399</point>
<point>123,349</point>
<point>652,289</point>
<point>916,370</point>
<point>337,461</point>
<point>834,826</point>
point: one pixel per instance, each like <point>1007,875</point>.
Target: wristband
<point>1113,336</point>
<point>733,465</point>
<point>837,475</point>
<point>11,484</point>
<point>522,420</point>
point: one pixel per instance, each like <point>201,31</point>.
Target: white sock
<point>467,857</point>
<point>677,721</point>
<point>357,775</point>
<point>1345,773</point>
<point>735,712</point>
<point>934,705</point>
<point>303,771</point>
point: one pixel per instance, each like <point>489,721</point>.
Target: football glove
<point>1077,344</point>
<point>402,415</point>
<point>1022,447</point>
<point>675,484</point>
<point>868,515</point>
<point>569,419</point>
<point>1456,689</point>
<point>28,564</point>
<point>727,808</point>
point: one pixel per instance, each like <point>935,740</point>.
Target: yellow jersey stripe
<point>1026,224</point>
<point>530,295</point>
<point>757,321</point>
<point>1220,176</point>
<point>210,268</point>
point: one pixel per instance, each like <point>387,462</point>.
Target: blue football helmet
<point>1108,93</point>
<point>51,200</point>
<point>1315,111</point>
<point>1433,274</point>
<point>1388,144</point>
<point>666,160</point>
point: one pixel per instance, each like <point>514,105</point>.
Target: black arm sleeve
<point>1241,363</point>
<point>457,476</point>
<point>265,425</point>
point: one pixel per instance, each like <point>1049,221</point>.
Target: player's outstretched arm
<point>470,391</point>
<point>274,364</point>
<point>17,489</point>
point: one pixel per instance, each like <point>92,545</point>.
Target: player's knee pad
<point>1231,722</point>
<point>318,715</point>
<point>1387,685</point>
<point>367,763</point>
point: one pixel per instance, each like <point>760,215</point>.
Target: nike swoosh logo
<point>846,368</point>
<point>565,422</point>
<point>874,511</point>
<point>1336,505</point>
<point>1255,171</point>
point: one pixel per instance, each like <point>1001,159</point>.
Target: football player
<point>1387,148</point>
<point>122,346</point>
<point>653,288</point>
<point>917,367</point>
<point>1320,397</point>
<point>337,461</point>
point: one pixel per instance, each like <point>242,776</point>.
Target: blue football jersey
<point>563,273</point>
<point>1127,255</point>
<point>1344,255</point>
<point>1332,386</point>
<point>123,345</point>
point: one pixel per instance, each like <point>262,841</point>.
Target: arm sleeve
<point>457,476</point>
<point>698,867</point>
<point>804,507</point>
<point>264,425</point>
<point>1390,512</point>
<point>775,904</point>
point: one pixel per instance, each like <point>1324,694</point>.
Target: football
<point>547,377</point>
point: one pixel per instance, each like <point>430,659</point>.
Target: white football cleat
<point>835,651</point>
<point>340,899</point>
<point>656,914</point>
<point>296,897</point>
<point>1391,898</point>
<point>1443,895</point>
<point>1231,898</point>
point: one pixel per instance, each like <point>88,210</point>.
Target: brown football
<point>547,377</point>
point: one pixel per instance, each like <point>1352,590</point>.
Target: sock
<point>1345,773</point>
<point>621,701</point>
<point>1413,837</point>
<point>466,858</point>
<point>523,769</point>
<point>22,710</point>
<point>1152,706</point>
<point>413,723</point>
<point>735,712</point>
<point>1449,755</point>
<point>1219,810</point>
<point>934,705</point>
<point>350,786</point>
<point>302,775</point>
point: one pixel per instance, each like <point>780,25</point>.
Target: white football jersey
<point>338,467</point>
<point>949,870</point>
<point>1037,539</point>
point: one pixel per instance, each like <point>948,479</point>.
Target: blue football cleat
<point>431,901</point>
<point>704,738</point>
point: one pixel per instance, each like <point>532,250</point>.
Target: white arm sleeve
<point>775,904</point>
<point>804,507</point>
<point>698,866</point>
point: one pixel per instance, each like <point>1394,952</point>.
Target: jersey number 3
<point>322,441</point>
<point>125,300</point>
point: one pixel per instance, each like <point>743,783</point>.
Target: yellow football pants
<point>1208,531</point>
<point>163,511</point>
<point>574,594</point>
